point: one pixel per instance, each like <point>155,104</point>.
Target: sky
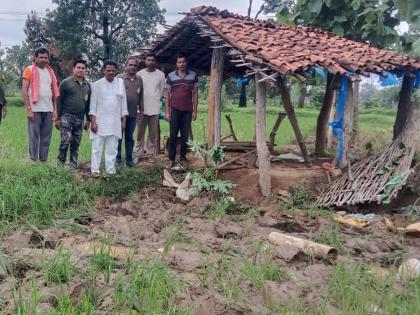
<point>13,13</point>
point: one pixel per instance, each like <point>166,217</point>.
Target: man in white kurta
<point>108,110</point>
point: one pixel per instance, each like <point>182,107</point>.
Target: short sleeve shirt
<point>44,103</point>
<point>181,89</point>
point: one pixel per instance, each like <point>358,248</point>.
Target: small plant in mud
<point>315,211</point>
<point>102,259</point>
<point>219,210</point>
<point>260,272</point>
<point>206,180</point>
<point>59,269</point>
<point>331,237</point>
<point>299,195</point>
<point>391,259</point>
<point>226,279</point>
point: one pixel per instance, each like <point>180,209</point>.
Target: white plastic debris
<point>409,269</point>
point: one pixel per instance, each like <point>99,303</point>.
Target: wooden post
<point>215,97</point>
<point>332,117</point>
<point>260,127</point>
<point>356,104</point>
<point>324,114</point>
<point>404,105</point>
<point>288,107</point>
<point>346,125</point>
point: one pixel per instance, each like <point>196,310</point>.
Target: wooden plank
<point>260,127</point>
<point>215,98</point>
<point>346,125</point>
<point>288,107</point>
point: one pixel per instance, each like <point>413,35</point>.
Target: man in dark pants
<point>134,91</point>
<point>3,102</point>
<point>180,107</point>
<point>40,93</point>
<point>73,106</point>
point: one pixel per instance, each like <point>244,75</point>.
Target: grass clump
<point>226,279</point>
<point>261,272</point>
<point>331,237</point>
<point>356,290</point>
<point>102,258</point>
<point>38,194</point>
<point>59,269</point>
<point>28,306</point>
<point>299,196</point>
<point>149,288</point>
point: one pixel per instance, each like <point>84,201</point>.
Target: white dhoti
<point>108,104</point>
<point>111,150</point>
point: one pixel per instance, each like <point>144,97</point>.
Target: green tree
<point>103,29</point>
<point>372,21</point>
<point>17,58</point>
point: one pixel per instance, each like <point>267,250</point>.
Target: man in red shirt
<point>181,103</point>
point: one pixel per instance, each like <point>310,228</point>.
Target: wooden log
<point>288,107</point>
<point>232,132</point>
<point>215,97</point>
<point>307,247</point>
<point>273,132</point>
<point>260,126</point>
<point>346,125</point>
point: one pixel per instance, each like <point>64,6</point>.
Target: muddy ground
<point>195,241</point>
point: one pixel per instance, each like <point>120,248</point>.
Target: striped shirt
<point>181,89</point>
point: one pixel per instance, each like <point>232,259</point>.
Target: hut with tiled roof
<point>221,44</point>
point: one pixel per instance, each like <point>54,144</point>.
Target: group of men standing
<point>111,108</point>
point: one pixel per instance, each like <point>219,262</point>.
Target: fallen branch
<point>273,132</point>
<point>223,165</point>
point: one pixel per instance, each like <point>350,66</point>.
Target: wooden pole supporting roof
<point>288,108</point>
<point>260,127</point>
<point>215,98</point>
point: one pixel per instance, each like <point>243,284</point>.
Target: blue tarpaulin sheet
<point>388,80</point>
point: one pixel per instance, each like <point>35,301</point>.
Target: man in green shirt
<point>3,102</point>
<point>73,106</point>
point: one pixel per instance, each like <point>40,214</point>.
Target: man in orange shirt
<point>40,93</point>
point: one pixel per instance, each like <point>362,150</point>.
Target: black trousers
<point>180,122</point>
<point>1,112</point>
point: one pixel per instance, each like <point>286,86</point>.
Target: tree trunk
<point>302,96</point>
<point>260,127</point>
<point>215,97</point>
<point>346,125</point>
<point>356,105</point>
<point>249,8</point>
<point>324,114</point>
<point>242,96</point>
<point>288,107</point>
<point>404,105</point>
<point>106,39</point>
